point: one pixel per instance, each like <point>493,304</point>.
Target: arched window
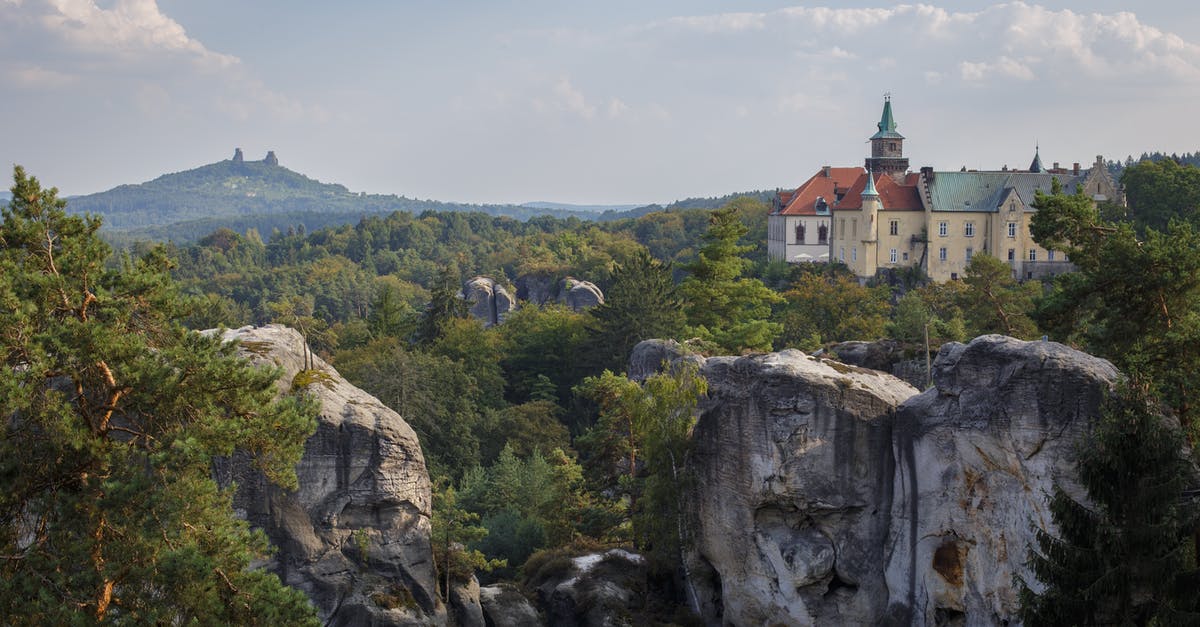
<point>822,234</point>
<point>800,233</point>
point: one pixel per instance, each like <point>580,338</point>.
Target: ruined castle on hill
<point>270,159</point>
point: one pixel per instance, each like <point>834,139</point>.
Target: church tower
<point>887,146</point>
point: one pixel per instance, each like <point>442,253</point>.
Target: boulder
<point>649,357</point>
<point>865,502</point>
<point>490,301</point>
<point>579,295</point>
<point>505,606</point>
<point>605,589</point>
<point>575,294</point>
<point>464,604</point>
<point>355,535</point>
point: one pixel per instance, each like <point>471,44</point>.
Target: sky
<point>625,101</point>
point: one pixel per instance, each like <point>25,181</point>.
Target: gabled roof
<point>893,196</point>
<point>986,191</point>
<point>825,184</point>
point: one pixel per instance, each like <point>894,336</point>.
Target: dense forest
<point>532,434</point>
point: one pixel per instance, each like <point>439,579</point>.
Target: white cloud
<point>1004,67</point>
<point>617,107</point>
<point>131,50</point>
<point>571,99</point>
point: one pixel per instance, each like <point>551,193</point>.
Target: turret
<point>870,208</point>
<point>1036,166</point>
<point>887,146</point>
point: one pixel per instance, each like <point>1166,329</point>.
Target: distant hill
<point>259,194</point>
<point>582,208</point>
<point>263,195</point>
<point>5,197</point>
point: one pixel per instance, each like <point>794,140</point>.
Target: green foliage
<point>1134,300</point>
<point>436,395</point>
<point>994,302</point>
<point>542,344</point>
<point>642,303</point>
<point>1160,191</point>
<point>831,307</point>
<point>1123,557</point>
<point>453,529</point>
<point>113,415</point>
<point>639,444</point>
<point>723,307</point>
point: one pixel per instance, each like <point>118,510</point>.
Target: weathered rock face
<point>579,295</point>
<point>794,490</point>
<point>575,294</point>
<point>504,606</point>
<point>888,356</point>
<point>355,536</point>
<point>598,590</point>
<point>829,494</point>
<point>975,458</point>
<point>490,301</point>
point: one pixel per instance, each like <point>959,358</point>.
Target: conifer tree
<point>111,414</point>
<point>722,306</point>
<point>641,304</point>
<point>1124,557</point>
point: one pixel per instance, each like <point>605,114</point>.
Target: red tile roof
<point>803,201</point>
<point>895,196</point>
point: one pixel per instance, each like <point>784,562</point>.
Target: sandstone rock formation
<point>490,301</point>
<point>575,294</point>
<point>505,606</point>
<point>579,295</point>
<point>597,590</point>
<point>355,536</point>
<point>831,494</point>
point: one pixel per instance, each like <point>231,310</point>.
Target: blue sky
<point>615,102</point>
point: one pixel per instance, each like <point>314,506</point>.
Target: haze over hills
<point>240,194</point>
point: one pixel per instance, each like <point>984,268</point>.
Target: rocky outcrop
<point>575,294</point>
<point>355,535</point>
<point>490,301</point>
<point>649,357</point>
<point>902,361</point>
<point>831,494</point>
<point>505,606</point>
<point>579,295</point>
<point>596,590</point>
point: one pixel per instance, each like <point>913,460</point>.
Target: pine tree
<point>112,416</point>
<point>641,304</point>
<point>1124,556</point>
<point>722,306</point>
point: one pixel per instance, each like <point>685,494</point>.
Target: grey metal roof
<point>985,191</point>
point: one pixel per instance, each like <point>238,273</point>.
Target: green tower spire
<point>887,124</point>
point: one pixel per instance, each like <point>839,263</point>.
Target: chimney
<point>1075,169</point>
<point>825,171</point>
<point>1056,165</point>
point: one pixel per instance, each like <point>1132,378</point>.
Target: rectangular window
<point>842,228</point>
<point>969,229</point>
<point>942,254</point>
<point>943,229</point>
<point>1033,254</point>
<point>1012,254</point>
<point>853,227</point>
<point>854,253</point>
<point>1049,255</point>
<point>893,256</point>
<point>894,227</point>
<point>970,253</point>
<point>905,256</point>
<point>1012,229</point>
<point>842,253</point>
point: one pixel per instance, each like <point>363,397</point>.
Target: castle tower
<point>1036,166</point>
<point>887,146</point>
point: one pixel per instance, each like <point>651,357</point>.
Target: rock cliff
<point>355,536</point>
<point>575,294</point>
<point>490,301</point>
<point>832,494</point>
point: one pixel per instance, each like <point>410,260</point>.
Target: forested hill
<point>265,196</point>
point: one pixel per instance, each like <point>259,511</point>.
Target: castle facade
<point>883,216</point>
